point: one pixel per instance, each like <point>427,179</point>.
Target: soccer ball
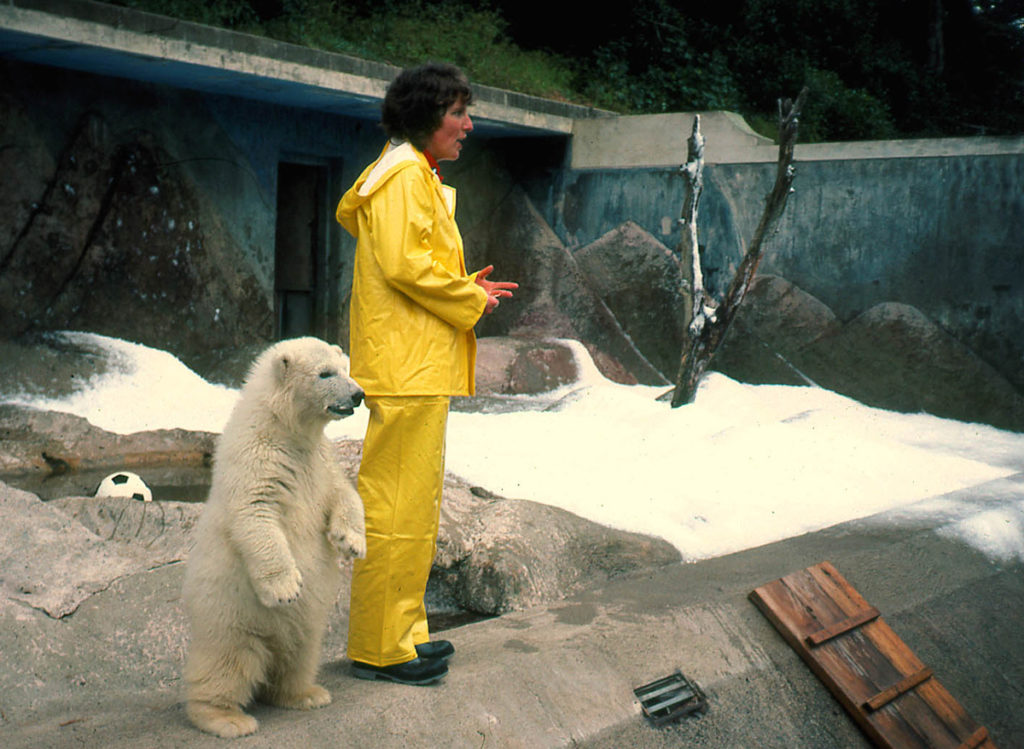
<point>124,484</point>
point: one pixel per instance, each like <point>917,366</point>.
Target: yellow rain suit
<point>412,346</point>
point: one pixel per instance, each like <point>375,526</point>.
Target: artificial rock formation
<point>110,237</point>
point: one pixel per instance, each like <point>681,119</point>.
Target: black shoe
<point>437,649</point>
<point>418,671</point>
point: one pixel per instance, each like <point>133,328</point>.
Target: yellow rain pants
<point>400,480</point>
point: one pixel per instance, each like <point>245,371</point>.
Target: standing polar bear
<point>263,574</point>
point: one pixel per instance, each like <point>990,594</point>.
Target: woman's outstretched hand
<point>495,289</point>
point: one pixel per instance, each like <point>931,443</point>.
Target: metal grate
<point>670,698</point>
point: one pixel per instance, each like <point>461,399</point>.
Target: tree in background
<point>643,60</point>
<point>875,68</point>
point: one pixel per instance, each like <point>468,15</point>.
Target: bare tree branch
<point>688,249</point>
<point>708,335</point>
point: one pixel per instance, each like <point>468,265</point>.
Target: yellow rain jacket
<point>413,305</point>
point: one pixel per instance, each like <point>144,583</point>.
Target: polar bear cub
<point>263,574</point>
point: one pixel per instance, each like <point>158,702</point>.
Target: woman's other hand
<point>495,289</point>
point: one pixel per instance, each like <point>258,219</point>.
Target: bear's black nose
<point>357,398</point>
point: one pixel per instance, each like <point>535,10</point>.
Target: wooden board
<point>895,699</point>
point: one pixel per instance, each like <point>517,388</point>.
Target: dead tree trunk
<point>710,324</point>
<point>688,248</point>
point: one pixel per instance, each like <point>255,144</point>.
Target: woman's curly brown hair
<point>415,102</point>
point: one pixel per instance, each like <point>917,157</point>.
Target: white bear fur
<point>264,572</point>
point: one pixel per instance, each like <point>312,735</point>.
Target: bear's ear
<point>281,365</point>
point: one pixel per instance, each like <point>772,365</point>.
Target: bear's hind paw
<point>312,697</point>
<point>228,723</point>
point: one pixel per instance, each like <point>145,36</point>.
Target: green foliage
<point>228,14</point>
<point>681,80</point>
<point>400,33</point>
<point>473,39</point>
<point>835,112</point>
<point>876,68</point>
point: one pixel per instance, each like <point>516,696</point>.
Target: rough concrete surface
<point>562,674</point>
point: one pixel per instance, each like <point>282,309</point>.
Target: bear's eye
<point>327,373</point>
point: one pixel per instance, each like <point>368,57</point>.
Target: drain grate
<point>670,698</point>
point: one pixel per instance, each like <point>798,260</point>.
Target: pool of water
<point>168,483</point>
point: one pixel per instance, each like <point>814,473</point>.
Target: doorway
<point>300,251</point>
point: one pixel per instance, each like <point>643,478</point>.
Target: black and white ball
<point>124,484</point>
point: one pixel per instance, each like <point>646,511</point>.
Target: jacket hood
<point>394,158</point>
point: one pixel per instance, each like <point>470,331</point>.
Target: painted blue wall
<point>945,234</point>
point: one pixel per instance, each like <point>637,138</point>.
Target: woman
<point>412,346</point>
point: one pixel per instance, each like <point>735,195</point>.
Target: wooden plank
<point>948,709</point>
<point>822,609</point>
<point>868,671</point>
<point>837,588</point>
<point>842,626</point>
<point>889,692</point>
<point>794,619</point>
<point>893,648</point>
<point>927,726</point>
<point>796,602</point>
<point>886,696</point>
<point>976,739</point>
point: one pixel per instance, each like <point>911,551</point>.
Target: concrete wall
<point>230,149</point>
<point>938,224</point>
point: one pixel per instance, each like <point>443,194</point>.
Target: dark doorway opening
<point>300,251</point>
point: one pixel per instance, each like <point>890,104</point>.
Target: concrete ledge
<point>912,148</point>
<point>648,141</point>
<point>111,40</point>
<point>660,140</point>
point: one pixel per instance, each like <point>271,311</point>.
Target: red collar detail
<point>433,164</point>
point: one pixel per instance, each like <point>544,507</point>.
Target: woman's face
<point>446,142</point>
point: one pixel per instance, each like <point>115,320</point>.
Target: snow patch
<point>742,466</point>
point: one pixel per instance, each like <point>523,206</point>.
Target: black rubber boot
<point>418,671</point>
<point>439,649</point>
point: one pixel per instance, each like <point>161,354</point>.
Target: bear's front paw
<point>347,542</point>
<point>279,589</point>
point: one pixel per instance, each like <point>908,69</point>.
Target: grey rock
<point>553,300</point>
<point>90,587</point>
<point>55,454</point>
<point>117,225</point>
<point>46,252</point>
<point>50,365</point>
<point>518,372</point>
<point>517,366</point>
<point>25,154</point>
<point>893,356</point>
<point>639,279</point>
<point>775,323</point>
<point>497,555</point>
<point>123,641</point>
<point>51,562</point>
<point>156,532</point>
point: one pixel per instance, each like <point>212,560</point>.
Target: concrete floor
<point>563,675</point>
